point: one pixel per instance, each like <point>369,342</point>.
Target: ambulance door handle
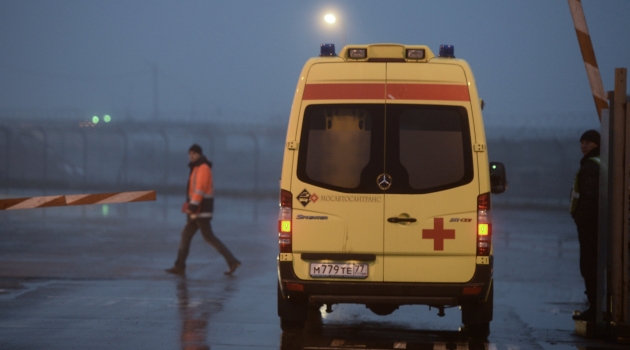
<point>396,220</point>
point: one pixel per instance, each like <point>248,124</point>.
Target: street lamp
<point>332,19</point>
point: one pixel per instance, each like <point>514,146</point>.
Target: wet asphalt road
<point>93,277</point>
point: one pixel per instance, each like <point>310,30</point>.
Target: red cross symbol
<point>438,234</point>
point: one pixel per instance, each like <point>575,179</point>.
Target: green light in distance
<point>95,119</point>
<point>105,210</point>
<point>107,118</point>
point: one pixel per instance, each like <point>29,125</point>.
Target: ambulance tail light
<point>484,224</point>
<point>285,229</point>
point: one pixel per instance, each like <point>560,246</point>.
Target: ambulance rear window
<point>433,145</point>
<point>335,144</point>
<point>424,148</point>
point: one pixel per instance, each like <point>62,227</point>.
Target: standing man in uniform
<point>584,209</point>
<point>198,208</point>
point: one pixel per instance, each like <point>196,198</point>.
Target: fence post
<point>85,156</point>
<point>7,177</point>
<point>122,172</point>
<point>45,150</point>
<point>167,151</point>
<point>166,166</point>
<point>256,174</point>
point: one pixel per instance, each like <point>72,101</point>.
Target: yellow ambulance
<point>385,186</point>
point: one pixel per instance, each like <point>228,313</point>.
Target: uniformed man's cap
<point>591,135</point>
<point>197,149</point>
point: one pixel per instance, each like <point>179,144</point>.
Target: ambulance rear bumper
<point>396,293</point>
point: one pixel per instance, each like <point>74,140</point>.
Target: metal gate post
<point>618,206</point>
<point>613,300</point>
<point>603,243</point>
<point>626,215</point>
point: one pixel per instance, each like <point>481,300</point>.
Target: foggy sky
<point>245,56</point>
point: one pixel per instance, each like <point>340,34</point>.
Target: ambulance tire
<point>479,331</point>
<point>292,313</point>
<point>476,317</point>
<point>292,340</point>
<point>314,320</point>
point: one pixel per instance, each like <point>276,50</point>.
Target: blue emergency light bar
<point>447,51</point>
<point>327,50</point>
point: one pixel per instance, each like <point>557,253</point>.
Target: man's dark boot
<point>587,315</point>
<point>233,267</point>
<point>180,271</point>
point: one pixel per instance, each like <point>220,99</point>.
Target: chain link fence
<point>541,155</point>
<point>84,156</point>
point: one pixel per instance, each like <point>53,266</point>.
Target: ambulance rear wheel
<point>291,326</point>
<point>314,323</point>
<point>478,331</point>
<point>476,317</point>
<point>292,312</point>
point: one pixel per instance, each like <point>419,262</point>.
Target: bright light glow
<point>95,119</point>
<point>330,18</point>
<point>483,229</point>
<point>105,210</point>
<point>285,226</point>
<point>107,118</point>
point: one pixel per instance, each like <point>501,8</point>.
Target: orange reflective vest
<point>201,191</point>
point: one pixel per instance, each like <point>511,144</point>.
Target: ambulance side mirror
<point>498,179</point>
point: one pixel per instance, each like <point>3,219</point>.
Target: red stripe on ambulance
<point>440,92</point>
<point>344,92</point>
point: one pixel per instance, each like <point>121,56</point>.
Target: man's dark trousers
<point>587,234</point>
<point>203,224</point>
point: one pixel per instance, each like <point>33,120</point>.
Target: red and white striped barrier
<point>588,54</point>
<point>76,199</point>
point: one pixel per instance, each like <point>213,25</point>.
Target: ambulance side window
<point>434,146</point>
<point>335,145</point>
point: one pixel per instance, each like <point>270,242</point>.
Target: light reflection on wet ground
<point>85,280</point>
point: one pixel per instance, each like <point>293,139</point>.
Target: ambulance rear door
<point>430,206</point>
<point>338,212</point>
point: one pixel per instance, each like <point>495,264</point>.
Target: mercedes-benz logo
<point>384,181</point>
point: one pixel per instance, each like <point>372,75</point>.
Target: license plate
<point>339,270</point>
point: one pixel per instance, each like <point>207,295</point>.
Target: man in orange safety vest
<point>198,208</point>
